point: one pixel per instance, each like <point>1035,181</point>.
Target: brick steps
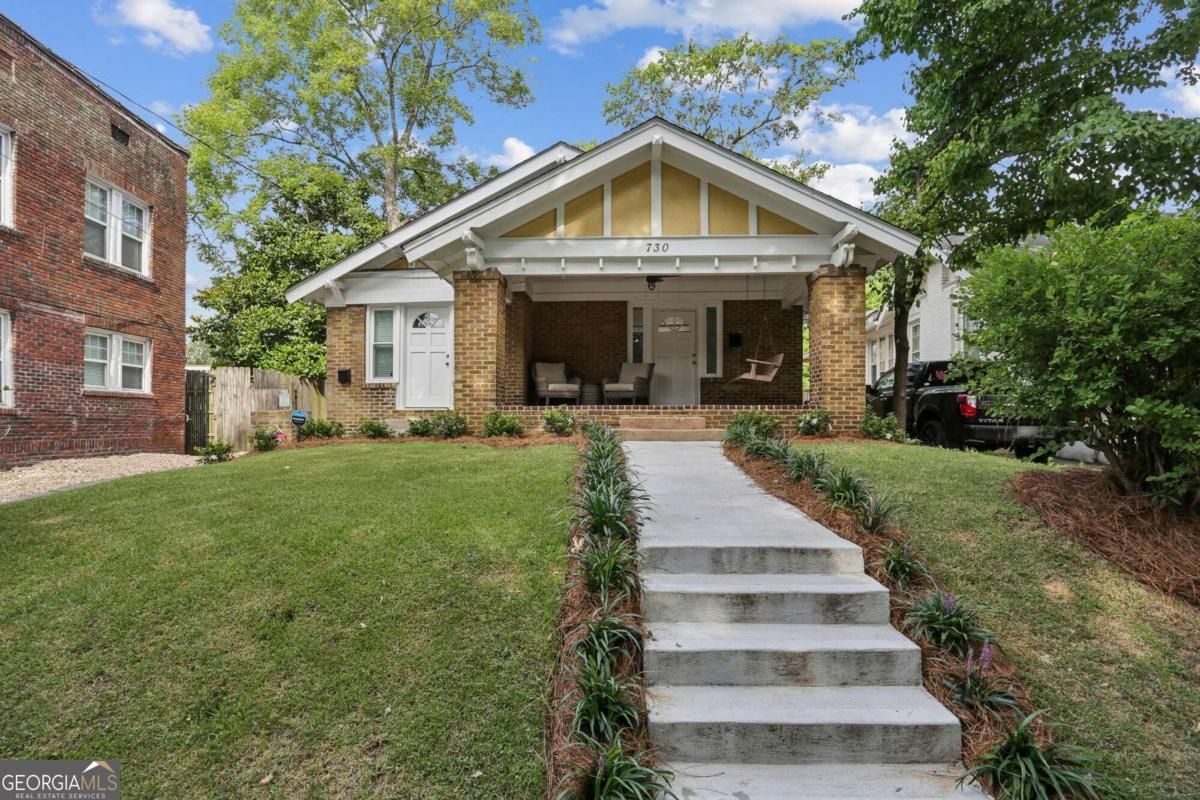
<point>667,429</point>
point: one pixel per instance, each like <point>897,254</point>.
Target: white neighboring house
<point>934,325</point>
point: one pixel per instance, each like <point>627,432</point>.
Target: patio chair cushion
<point>566,389</point>
<point>613,388</point>
<point>551,373</point>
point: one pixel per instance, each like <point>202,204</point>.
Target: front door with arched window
<point>429,342</point>
<point>675,381</point>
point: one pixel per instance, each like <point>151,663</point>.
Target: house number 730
<point>657,247</point>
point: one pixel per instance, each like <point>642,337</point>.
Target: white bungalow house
<point>657,246</point>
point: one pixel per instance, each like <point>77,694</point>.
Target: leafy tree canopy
<point>1019,117</point>
<point>741,93</point>
<point>317,218</point>
<point>1019,121</point>
<point>368,89</point>
<point>1097,332</point>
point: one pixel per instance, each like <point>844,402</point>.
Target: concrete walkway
<point>773,670</point>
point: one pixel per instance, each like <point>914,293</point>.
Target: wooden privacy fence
<point>235,392</point>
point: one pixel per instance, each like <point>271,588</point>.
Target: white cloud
<point>163,25</point>
<point>691,18</point>
<point>1184,97</point>
<point>515,151</point>
<point>850,183</point>
<point>860,134</point>
<point>651,55</point>
<point>197,281</point>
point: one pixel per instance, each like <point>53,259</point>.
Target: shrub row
<point>603,644</point>
<point>1023,762</point>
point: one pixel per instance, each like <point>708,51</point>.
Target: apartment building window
<point>914,341</point>
<point>116,227</point>
<point>116,362</point>
<point>8,173</point>
<point>6,360</point>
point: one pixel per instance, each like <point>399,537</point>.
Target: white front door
<point>429,343</point>
<point>674,382</point>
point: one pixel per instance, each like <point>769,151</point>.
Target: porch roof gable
<point>452,228</point>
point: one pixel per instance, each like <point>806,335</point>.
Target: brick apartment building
<point>93,204</point>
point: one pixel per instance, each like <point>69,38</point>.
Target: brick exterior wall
<point>786,328</point>
<point>481,356</point>
<point>518,349</point>
<point>715,416</point>
<point>588,336</point>
<point>62,134</point>
<point>837,339</point>
<point>346,348</point>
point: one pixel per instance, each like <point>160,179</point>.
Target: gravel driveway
<point>20,483</point>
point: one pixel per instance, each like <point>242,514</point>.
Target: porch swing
<point>761,371</point>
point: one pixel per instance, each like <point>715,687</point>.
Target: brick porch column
<point>480,335</point>
<point>837,342</point>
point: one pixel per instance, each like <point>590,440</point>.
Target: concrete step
<point>827,782</point>
<point>803,725</point>
<point>668,435</point>
<point>720,550</point>
<point>720,654</point>
<point>679,423</point>
<point>695,597</point>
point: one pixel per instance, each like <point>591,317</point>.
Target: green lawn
<point>1115,660</point>
<point>350,621</point>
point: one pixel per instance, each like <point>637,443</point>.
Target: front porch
<point>696,332</point>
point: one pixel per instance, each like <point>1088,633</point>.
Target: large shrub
<point>1097,331</point>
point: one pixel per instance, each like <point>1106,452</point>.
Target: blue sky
<point>160,51</point>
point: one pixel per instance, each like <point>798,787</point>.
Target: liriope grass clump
<point>605,699</point>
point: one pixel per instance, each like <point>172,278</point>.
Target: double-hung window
<point>382,329</point>
<point>914,341</point>
<point>116,362</point>
<point>116,227</point>
<point>8,171</point>
<point>6,361</point>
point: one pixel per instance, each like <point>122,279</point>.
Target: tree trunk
<point>391,206</point>
<point>901,305</point>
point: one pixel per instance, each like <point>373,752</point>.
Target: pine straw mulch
<point>569,763</point>
<point>981,731</point>
<point>1155,546</point>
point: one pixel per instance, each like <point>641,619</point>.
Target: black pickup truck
<point>944,414</point>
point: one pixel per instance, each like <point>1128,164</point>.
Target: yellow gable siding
<point>680,202</point>
<point>540,227</point>
<point>728,214</point>
<point>771,224</point>
<point>584,216</point>
<point>631,202</point>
